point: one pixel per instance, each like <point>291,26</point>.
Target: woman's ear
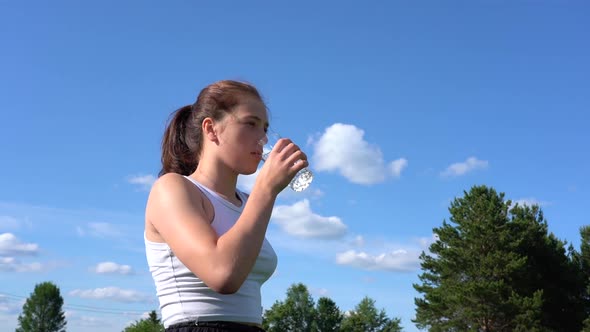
<point>209,129</point>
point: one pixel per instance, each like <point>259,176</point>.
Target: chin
<point>248,171</point>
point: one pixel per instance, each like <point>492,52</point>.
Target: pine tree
<point>466,279</point>
<point>496,268</point>
<point>296,314</point>
<point>328,316</point>
<point>550,269</point>
<point>42,311</point>
<point>150,324</point>
<point>585,265</point>
<point>367,318</point>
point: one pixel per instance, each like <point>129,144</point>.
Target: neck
<point>218,178</point>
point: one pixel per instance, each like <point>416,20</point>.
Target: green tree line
<point>299,313</point>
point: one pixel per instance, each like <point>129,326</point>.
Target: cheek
<point>245,137</point>
<point>238,144</point>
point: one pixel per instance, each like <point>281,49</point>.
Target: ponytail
<point>180,143</point>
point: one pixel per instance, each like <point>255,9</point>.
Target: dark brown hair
<point>183,137</point>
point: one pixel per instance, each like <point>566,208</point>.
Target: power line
<point>80,307</point>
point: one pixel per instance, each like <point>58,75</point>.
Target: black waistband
<point>230,326</point>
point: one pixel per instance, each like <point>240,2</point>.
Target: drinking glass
<point>302,179</point>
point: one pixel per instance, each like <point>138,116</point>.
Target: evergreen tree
<point>585,265</point>
<point>393,325</point>
<point>150,324</point>
<point>466,279</point>
<point>367,318</point>
<point>296,314</point>
<point>494,268</point>
<point>549,269</point>
<point>42,311</point>
<point>329,317</point>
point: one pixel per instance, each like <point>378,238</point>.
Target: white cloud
<point>89,321</point>
<point>77,319</point>
<point>342,148</point>
<point>7,222</point>
<point>529,201</point>
<point>143,181</point>
<point>111,293</point>
<point>311,193</point>
<point>99,229</point>
<point>299,220</point>
<point>359,251</point>
<point>11,264</point>
<point>425,242</point>
<point>398,260</point>
<point>319,292</point>
<point>471,164</point>
<point>10,305</point>
<point>86,222</point>
<point>10,245</point>
<point>359,241</point>
<point>397,166</point>
<point>82,319</point>
<point>112,268</point>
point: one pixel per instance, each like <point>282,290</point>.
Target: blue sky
<point>400,105</point>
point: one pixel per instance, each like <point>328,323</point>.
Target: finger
<point>297,160</point>
<point>282,143</point>
<point>276,147</point>
<point>304,156</point>
<point>288,150</point>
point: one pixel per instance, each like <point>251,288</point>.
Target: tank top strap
<point>215,198</point>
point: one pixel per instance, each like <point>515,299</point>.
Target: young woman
<point>205,240</point>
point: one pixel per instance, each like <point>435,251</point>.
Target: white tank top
<point>184,297</point>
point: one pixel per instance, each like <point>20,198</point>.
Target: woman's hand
<point>281,166</point>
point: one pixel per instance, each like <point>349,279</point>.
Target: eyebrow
<point>266,124</point>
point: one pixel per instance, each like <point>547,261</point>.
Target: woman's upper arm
<point>175,209</point>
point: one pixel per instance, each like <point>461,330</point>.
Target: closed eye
<point>255,124</point>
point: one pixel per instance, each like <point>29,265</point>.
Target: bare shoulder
<point>173,194</point>
<point>168,186</point>
<point>168,181</point>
